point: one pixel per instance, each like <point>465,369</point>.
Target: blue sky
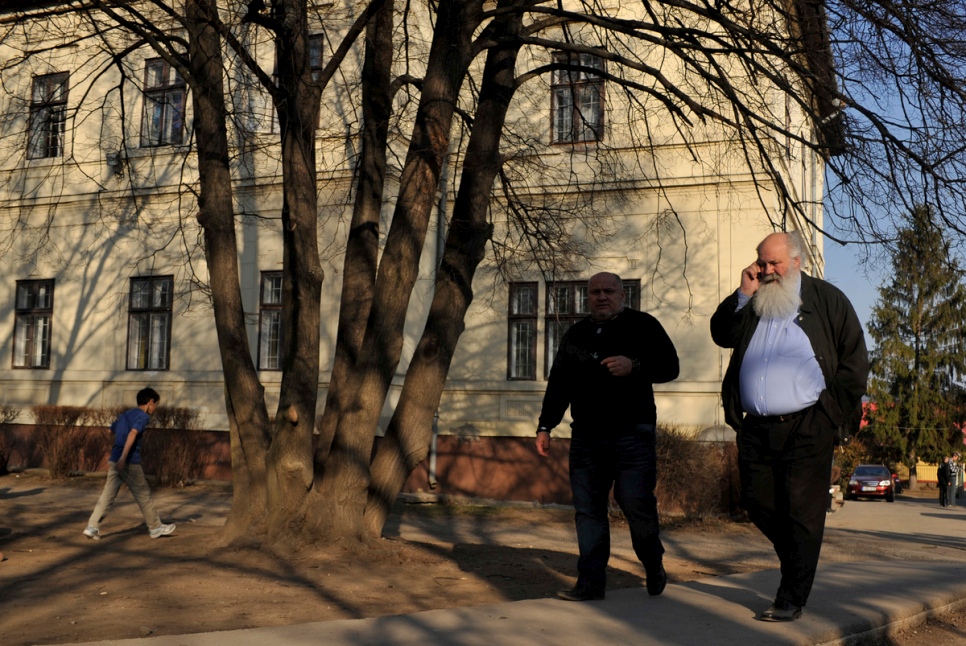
<point>843,268</point>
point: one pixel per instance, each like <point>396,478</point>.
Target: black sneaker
<point>580,592</point>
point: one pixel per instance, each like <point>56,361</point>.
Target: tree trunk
<point>290,455</point>
<point>362,246</point>
<point>244,395</point>
<point>342,492</point>
<point>409,434</point>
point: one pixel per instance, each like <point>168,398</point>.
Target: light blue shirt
<point>779,372</point>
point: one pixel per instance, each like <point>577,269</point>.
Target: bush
<point>64,440</point>
<point>173,451</point>
<point>700,479</point>
<point>8,442</point>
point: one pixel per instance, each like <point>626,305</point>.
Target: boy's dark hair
<point>147,394</point>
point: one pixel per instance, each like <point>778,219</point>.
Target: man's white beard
<point>779,299</point>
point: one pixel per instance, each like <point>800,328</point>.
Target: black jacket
<point>831,325</point>
<point>597,399</point>
<point>944,474</point>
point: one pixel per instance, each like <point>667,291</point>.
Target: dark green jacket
<point>831,325</point>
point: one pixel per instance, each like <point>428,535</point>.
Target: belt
<point>776,419</point>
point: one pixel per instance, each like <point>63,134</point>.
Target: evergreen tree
<point>918,361</point>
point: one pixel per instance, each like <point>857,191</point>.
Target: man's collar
<point>601,322</point>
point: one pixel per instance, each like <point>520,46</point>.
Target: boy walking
<point>124,465</point>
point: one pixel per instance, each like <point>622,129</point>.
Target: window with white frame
<point>149,323</point>
<point>522,334</point>
<point>48,116</point>
<point>578,99</point>
<point>270,322</point>
<point>33,312</point>
<point>164,104</point>
<point>566,303</point>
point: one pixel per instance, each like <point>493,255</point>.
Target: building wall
<point>109,210</point>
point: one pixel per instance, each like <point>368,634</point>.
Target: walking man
<point>124,465</point>
<point>797,375</point>
<point>604,371</point>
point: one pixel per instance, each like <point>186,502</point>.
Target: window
<point>567,304</point>
<point>31,335</point>
<point>522,347</point>
<point>578,96</point>
<point>149,323</point>
<point>315,55</point>
<point>48,114</point>
<point>164,104</point>
<point>270,322</point>
<point>315,64</point>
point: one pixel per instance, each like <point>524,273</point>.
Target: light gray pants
<point>133,477</point>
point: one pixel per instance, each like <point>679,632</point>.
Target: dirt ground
<point>57,586</point>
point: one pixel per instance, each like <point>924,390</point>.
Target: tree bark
<point>343,490</point>
<point>362,246</point>
<point>408,437</point>
<point>290,455</point>
<point>244,394</point>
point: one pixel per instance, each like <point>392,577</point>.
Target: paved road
<point>923,571</point>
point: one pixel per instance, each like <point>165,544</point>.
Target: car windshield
<point>872,472</point>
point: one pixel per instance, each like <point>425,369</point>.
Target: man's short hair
<point>147,394</point>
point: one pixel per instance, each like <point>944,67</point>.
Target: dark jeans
<point>628,463</point>
<point>785,471</point>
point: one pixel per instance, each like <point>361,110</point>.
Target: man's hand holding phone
<point>750,279</point>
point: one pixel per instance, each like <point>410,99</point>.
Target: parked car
<point>871,481</point>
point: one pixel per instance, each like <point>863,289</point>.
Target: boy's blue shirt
<point>134,418</point>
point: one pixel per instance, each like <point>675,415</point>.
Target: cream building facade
<point>105,288</point>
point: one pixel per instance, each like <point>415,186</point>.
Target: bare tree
<point>755,85</point>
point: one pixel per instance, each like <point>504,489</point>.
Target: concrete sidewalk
<point>849,599</point>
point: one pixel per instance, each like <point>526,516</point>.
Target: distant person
<point>604,371</point>
<point>943,473</point>
<point>953,480</point>
<point>124,465</point>
<point>797,375</point>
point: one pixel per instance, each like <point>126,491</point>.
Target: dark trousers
<point>785,470</point>
<point>943,493</point>
<point>628,463</point>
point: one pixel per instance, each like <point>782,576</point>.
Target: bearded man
<point>795,381</point>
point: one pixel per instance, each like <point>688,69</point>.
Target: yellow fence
<point>927,472</point>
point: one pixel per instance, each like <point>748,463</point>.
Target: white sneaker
<point>162,530</point>
<point>92,532</point>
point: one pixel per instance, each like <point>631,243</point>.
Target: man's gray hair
<point>796,245</point>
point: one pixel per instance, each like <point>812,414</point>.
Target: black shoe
<point>580,592</point>
<point>656,582</point>
<point>782,610</point>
